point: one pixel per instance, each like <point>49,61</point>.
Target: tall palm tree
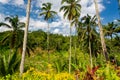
<point>75,23</point>
<point>16,27</point>
<point>89,23</point>
<point>25,37</point>
<point>71,10</point>
<point>105,53</point>
<point>48,14</point>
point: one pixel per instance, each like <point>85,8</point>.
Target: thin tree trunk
<point>70,52</point>
<point>111,37</point>
<point>75,43</point>
<point>89,44</point>
<point>91,62</point>
<point>48,44</point>
<point>25,38</point>
<point>101,32</point>
<point>75,51</point>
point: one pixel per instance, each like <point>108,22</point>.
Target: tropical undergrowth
<point>38,68</point>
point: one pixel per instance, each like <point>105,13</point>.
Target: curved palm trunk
<point>70,52</point>
<point>25,38</point>
<point>101,32</point>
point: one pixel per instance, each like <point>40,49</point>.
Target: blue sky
<point>111,12</point>
<point>108,12</point>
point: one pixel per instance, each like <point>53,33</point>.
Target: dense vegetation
<point>59,48</point>
<point>56,57</point>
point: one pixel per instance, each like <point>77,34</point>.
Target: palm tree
<point>25,38</point>
<point>105,53</point>
<point>90,23</point>
<point>71,10</point>
<point>16,27</point>
<point>75,23</point>
<point>117,41</point>
<point>48,14</point>
<point>15,36</point>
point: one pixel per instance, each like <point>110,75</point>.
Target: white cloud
<point>2,16</point>
<point>3,28</point>
<point>18,2</point>
<point>4,1</point>
<point>35,24</point>
<point>62,25</point>
<point>56,31</point>
<point>88,7</point>
<point>55,27</point>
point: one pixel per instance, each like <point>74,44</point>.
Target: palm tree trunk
<point>101,32</point>
<point>25,38</point>
<point>111,37</point>
<point>75,50</point>
<point>91,62</point>
<point>48,44</point>
<point>89,44</point>
<point>75,42</point>
<point>70,52</point>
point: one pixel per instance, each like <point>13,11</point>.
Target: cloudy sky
<point>108,12</point>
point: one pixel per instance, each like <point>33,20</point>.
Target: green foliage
<point>47,12</point>
<point>108,72</point>
<point>71,9</point>
<point>13,36</point>
<point>58,69</point>
<point>9,64</point>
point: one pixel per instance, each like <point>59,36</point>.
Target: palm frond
<point>5,39</point>
<point>3,66</point>
<point>64,8</point>
<point>8,19</point>
<point>65,14</point>
<point>43,13</point>
<point>44,8</point>
<point>63,1</point>
<point>53,12</point>
<point>4,24</point>
<point>13,63</point>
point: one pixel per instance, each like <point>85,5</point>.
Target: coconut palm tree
<point>89,24</point>
<point>15,36</point>
<point>105,53</point>
<point>48,14</point>
<point>71,10</point>
<point>75,23</point>
<point>16,27</point>
<point>25,38</point>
